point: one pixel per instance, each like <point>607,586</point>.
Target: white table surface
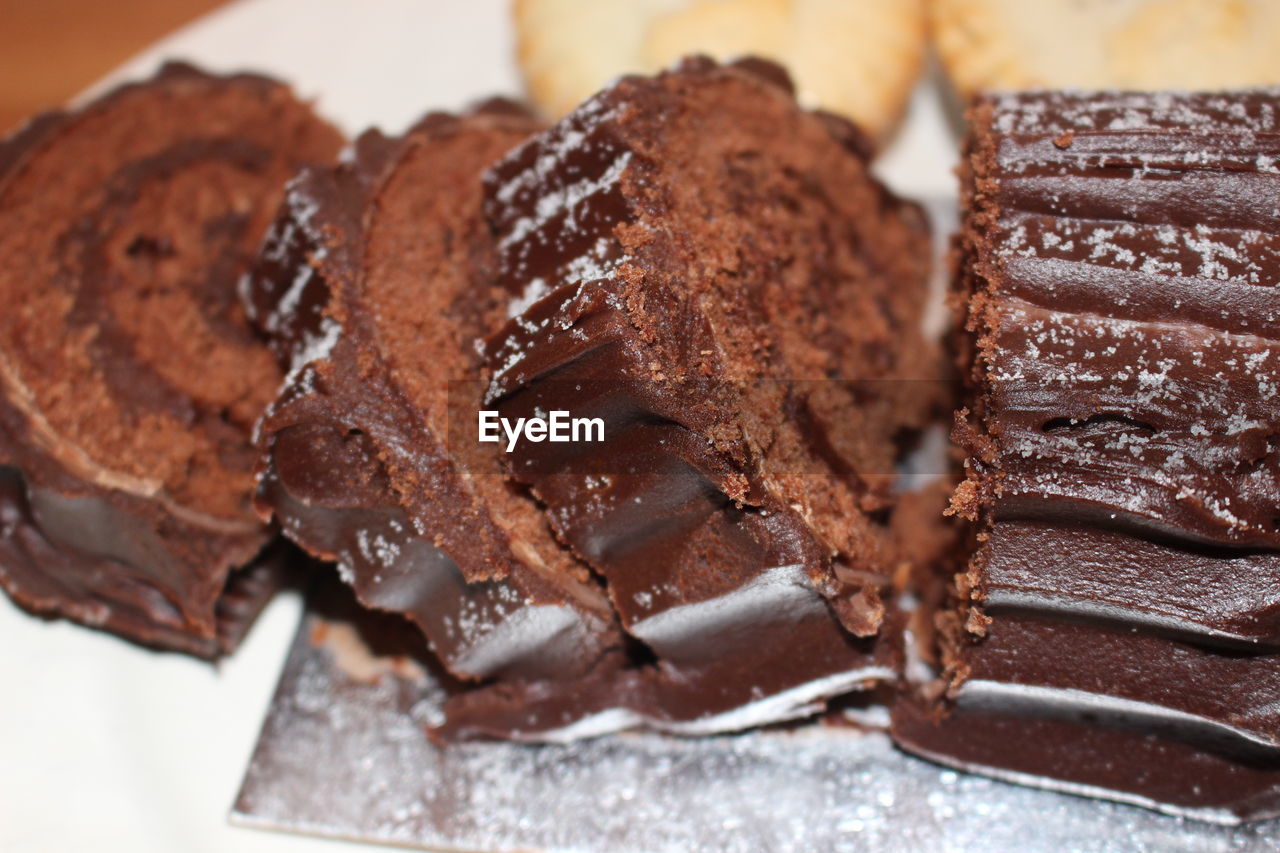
<point>107,747</point>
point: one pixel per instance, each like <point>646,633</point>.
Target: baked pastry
<point>1118,266</point>
<point>129,377</point>
<point>860,58</point>
<point>1106,44</point>
<point>713,273</point>
<point>375,283</point>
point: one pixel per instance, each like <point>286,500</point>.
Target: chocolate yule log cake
<point>712,273</point>
<point>1117,631</point>
<point>129,376</point>
<point>375,283</point>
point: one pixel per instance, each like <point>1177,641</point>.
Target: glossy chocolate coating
<point>99,561</point>
<point>124,502</point>
<point>1131,678</point>
<point>1137,767</point>
<point>725,507</point>
<point>1226,596</point>
<point>1131,341</point>
<point>358,470</point>
<point>355,471</point>
<point>1119,265</point>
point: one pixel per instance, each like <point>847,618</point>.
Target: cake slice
<point>375,284</point>
<point>129,376</point>
<point>713,273</point>
<point>1115,630</point>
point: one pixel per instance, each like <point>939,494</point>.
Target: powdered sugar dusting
<point>1135,354</point>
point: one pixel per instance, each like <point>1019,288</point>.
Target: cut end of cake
<point>130,377</point>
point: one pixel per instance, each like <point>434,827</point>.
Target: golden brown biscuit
<point>1102,44</point>
<point>859,58</point>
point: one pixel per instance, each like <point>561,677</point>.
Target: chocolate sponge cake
<point>375,283</point>
<point>1115,631</point>
<point>712,273</point>
<point>129,377</point>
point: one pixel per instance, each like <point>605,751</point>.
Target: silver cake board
<point>343,754</point>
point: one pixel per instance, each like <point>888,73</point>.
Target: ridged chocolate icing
<point>1119,269</point>
<point>129,378</point>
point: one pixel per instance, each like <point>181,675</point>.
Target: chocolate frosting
<point>1084,758</point>
<point>1223,596</point>
<point>1119,265</point>
<point>741,550</point>
<point>1130,348</point>
<point>358,471</point>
